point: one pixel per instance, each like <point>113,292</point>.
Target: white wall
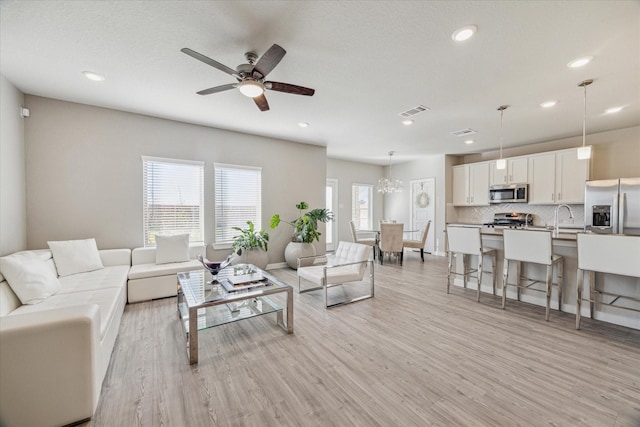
<point>348,173</point>
<point>84,172</point>
<point>398,206</point>
<point>13,217</point>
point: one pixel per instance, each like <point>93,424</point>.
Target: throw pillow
<point>32,279</point>
<point>75,256</point>
<point>172,248</point>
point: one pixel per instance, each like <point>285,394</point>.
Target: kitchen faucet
<point>555,218</point>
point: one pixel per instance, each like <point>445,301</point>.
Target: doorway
<point>422,198</point>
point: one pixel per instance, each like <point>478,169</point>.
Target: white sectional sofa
<point>148,280</point>
<point>54,354</point>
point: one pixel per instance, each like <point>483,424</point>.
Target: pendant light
<point>584,152</point>
<point>501,163</point>
<point>390,184</point>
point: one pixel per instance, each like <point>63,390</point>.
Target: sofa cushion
<point>141,271</point>
<point>75,256</point>
<point>108,301</point>
<point>172,248</point>
<point>31,277</point>
<point>108,277</point>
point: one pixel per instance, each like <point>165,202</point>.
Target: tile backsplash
<point>542,214</point>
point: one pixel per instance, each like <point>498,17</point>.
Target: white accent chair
<point>418,244</point>
<point>391,241</point>
<point>369,241</point>
<point>532,247</point>
<point>347,265</point>
<point>467,241</point>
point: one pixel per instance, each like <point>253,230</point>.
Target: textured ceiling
<point>367,61</point>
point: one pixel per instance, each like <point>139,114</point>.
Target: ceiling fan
<point>251,76</point>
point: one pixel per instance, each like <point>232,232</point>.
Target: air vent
<point>412,112</point>
<point>463,132</point>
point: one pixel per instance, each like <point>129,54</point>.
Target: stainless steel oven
<point>514,193</point>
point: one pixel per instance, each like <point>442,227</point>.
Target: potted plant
<point>250,246</point>
<point>305,231</point>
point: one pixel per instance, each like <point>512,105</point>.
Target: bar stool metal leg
<point>505,278</point>
<point>449,270</point>
<point>479,276</point>
<point>548,287</point>
<point>560,282</point>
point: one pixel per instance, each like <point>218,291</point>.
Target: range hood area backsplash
<point>542,214</point>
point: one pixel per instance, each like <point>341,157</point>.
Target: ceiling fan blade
<point>269,60</point>
<point>289,88</point>
<point>209,61</point>
<point>217,89</point>
<point>261,102</point>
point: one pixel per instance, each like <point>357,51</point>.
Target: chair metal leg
<point>549,282</point>
<point>449,270</point>
<point>422,254</point>
<point>592,292</point>
<point>505,278</point>
<point>518,276</point>
<point>580,283</point>
<point>560,282</point>
<point>465,260</point>
<point>493,271</point>
<point>479,276</point>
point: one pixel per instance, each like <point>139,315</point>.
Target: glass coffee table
<point>204,303</point>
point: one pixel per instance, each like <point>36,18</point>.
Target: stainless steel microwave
<point>514,193</point>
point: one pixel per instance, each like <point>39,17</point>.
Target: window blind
<point>172,198</point>
<point>238,191</point>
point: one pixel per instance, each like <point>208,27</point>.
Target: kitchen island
<point>564,244</point>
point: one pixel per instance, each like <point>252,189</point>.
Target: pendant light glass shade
<point>390,184</point>
<point>501,163</point>
<point>584,152</point>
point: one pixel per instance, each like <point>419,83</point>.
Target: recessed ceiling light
<point>303,124</point>
<point>613,110</point>
<point>580,62</point>
<point>407,122</point>
<point>469,141</point>
<point>548,104</point>
<point>464,33</point>
<point>93,76</point>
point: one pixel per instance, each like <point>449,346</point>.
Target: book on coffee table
<point>243,282</point>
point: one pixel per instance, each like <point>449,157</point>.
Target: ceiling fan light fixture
<point>251,88</point>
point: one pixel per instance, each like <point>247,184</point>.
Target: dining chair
<point>369,241</point>
<point>418,244</point>
<point>467,241</point>
<point>391,241</point>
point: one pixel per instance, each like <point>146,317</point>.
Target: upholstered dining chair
<point>369,241</point>
<point>391,241</point>
<point>418,244</point>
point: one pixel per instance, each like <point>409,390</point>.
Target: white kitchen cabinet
<point>471,184</point>
<point>557,177</point>
<point>571,174</point>
<point>514,173</point>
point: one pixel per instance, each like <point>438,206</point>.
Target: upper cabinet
<point>557,177</point>
<point>471,184</point>
<point>514,173</point>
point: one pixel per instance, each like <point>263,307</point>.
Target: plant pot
<point>295,250</point>
<point>256,256</point>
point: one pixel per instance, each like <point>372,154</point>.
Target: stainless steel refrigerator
<point>612,206</point>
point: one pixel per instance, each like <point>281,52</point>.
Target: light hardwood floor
<point>410,356</point>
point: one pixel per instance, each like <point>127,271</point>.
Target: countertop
<point>491,231</point>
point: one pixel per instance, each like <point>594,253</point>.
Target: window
<point>172,198</point>
<point>238,200</point>
<point>362,206</point>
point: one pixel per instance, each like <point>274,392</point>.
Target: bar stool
<point>467,241</point>
<point>532,247</point>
